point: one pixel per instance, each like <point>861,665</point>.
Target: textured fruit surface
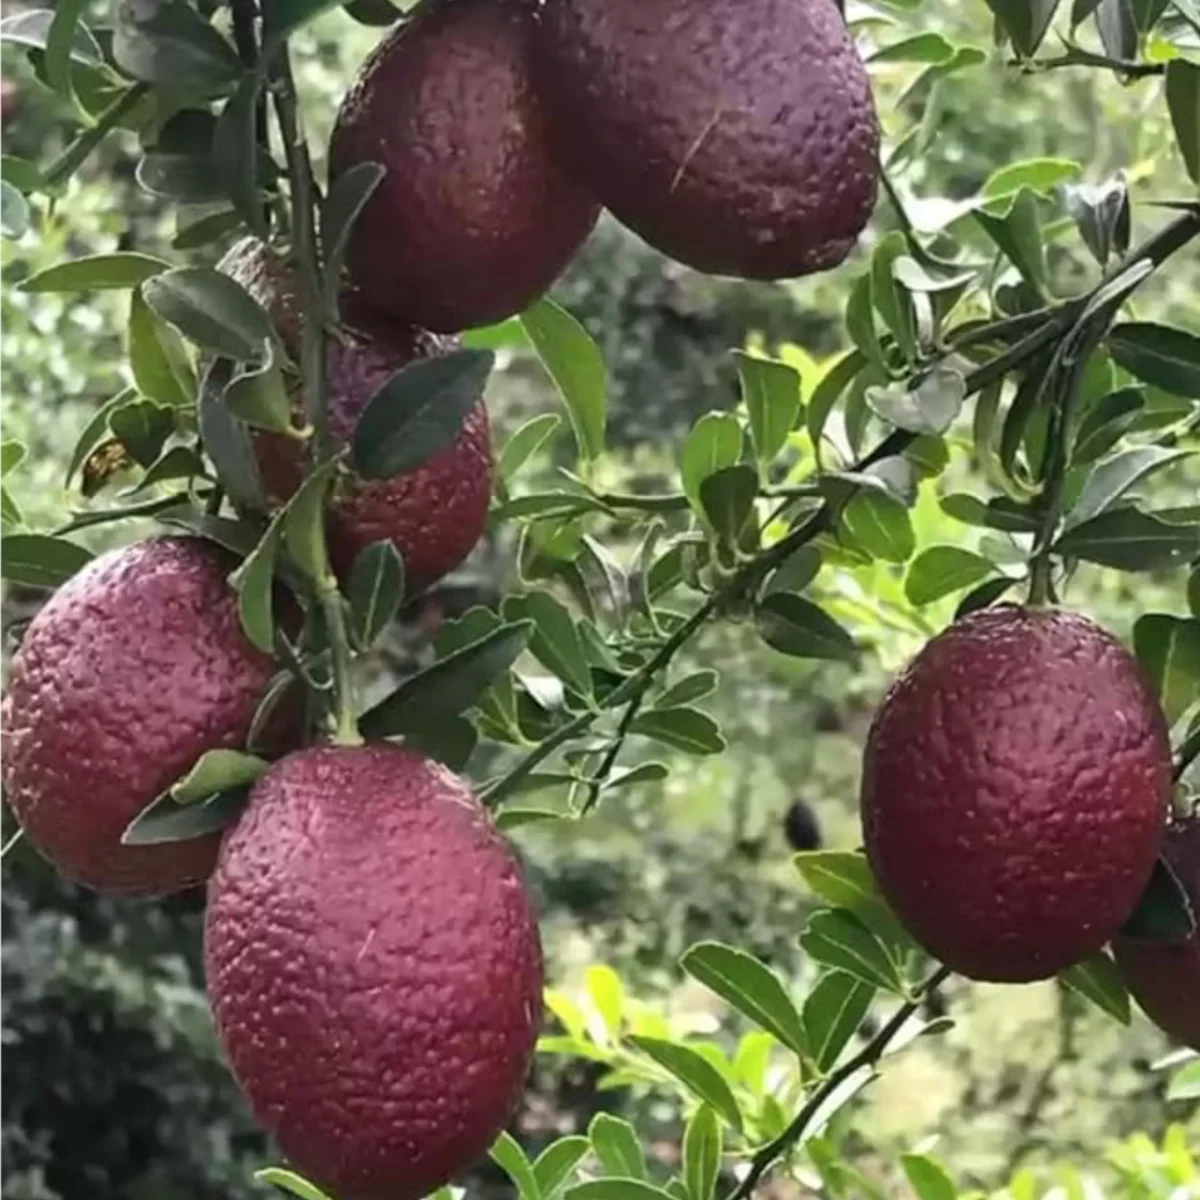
<point>133,669</point>
<point>737,136</point>
<point>435,514</point>
<point>1015,788</point>
<point>474,219</point>
<point>1164,977</point>
<point>374,969</point>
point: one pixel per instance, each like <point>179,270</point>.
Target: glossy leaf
<point>555,1165</point>
<point>796,626</point>
<point>236,154</point>
<point>696,1074</point>
<point>750,987</point>
<point>688,689</point>
<point>166,820</point>
<point>1026,22</point>
<point>573,362</point>
<point>714,443</point>
<point>304,522</point>
<point>1168,649</point>
<point>616,1188</point>
<point>375,592</point>
<point>930,407</point>
<point>524,443</point>
<point>771,392</point>
<point>14,211</point>
<point>450,686</point>
<point>702,1146</point>
<point>98,272</point>
<point>928,1177</point>
<point>843,878</point>
<point>840,940</point>
<point>31,28</point>
<point>890,297</point>
<point>167,42</point>
<point>227,442</point>
<point>217,771</point>
<point>880,525</point>
<point>348,196</point>
<point>1110,479</point>
<point>158,359</point>
<point>828,390</point>
<point>1160,355</point>
<point>1098,981</point>
<point>40,560</point>
<point>506,1152</point>
<point>1101,215</point>
<point>1183,102</point>
<point>1164,912</point>
<point>291,1183</point>
<point>1130,540</point>
<point>1016,230</point>
<point>212,310</point>
<point>254,582</point>
<point>942,570</point>
<point>615,1143</point>
<point>257,394</point>
<point>833,1011</point>
<point>418,412</point>
<point>451,742</point>
<point>142,427</point>
<point>682,728</point>
<point>727,499</point>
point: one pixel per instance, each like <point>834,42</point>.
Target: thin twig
<point>868,1056</point>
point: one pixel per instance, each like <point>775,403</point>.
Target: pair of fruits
<point>1016,790</point>
<point>372,957</point>
<point>737,136</point>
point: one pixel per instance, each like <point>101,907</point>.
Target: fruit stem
<point>865,1059</point>
<point>344,725</point>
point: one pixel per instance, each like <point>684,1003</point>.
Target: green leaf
<point>524,443</point>
<point>833,1011</point>
<point>291,1183</point>
<point>142,427</point>
<point>1017,231</point>
<point>702,1146</point>
<point>1183,102</point>
<point>348,196</point>
<point>32,28</point>
<point>1185,1084</point>
<point>95,432</point>
<point>829,389</point>
<point>60,49</point>
<point>615,1143</point>
<point>238,537</point>
<point>843,878</point>
<point>920,48</point>
<point>1168,649</point>
<point>450,742</point>
<point>1105,423</point>
<point>506,1152</point>
<point>98,272</point>
<point>419,412</point>
<point>236,154</point>
<point>254,582</point>
<point>40,560</point>
<point>879,524</point>
<point>1160,355</point>
<point>212,310</point>
<point>14,211</point>
<point>217,771</point>
<point>688,690</point>
<point>889,296</point>
<point>166,820</point>
<point>304,522</point>
<point>376,591</point>
<point>555,1165</point>
<point>1026,22</point>
<point>796,626</point>
<point>797,571</point>
<point>941,570</point>
<point>696,1074</point>
<point>998,513</point>
<point>158,359</point>
<point>212,228</point>
<point>839,939</point>
<point>686,729</point>
<point>12,455</point>
<point>1130,540</point>
<point>928,1177</point>
<point>928,408</point>
<point>714,443</point>
<point>556,642</point>
<point>448,687</point>
<point>727,499</point>
<point>257,394</point>
<point>860,321</point>
<point>616,1188</point>
<point>1098,981</point>
<point>1111,478</point>
<point>574,364</point>
<point>1164,912</point>
<point>771,391</point>
<point>1101,214</point>
<point>168,43</point>
<point>227,442</point>
<point>1041,175</point>
<point>750,987</point>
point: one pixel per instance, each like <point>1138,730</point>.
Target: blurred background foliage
<point>112,1084</point>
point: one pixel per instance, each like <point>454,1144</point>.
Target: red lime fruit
<point>433,514</point>
<point>1164,976</point>
<point>474,218</point>
<point>125,677</point>
<point>374,969</point>
<point>1015,788</point>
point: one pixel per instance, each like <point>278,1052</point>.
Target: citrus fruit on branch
<point>1015,788</point>
<point>374,968</point>
<point>126,676</point>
